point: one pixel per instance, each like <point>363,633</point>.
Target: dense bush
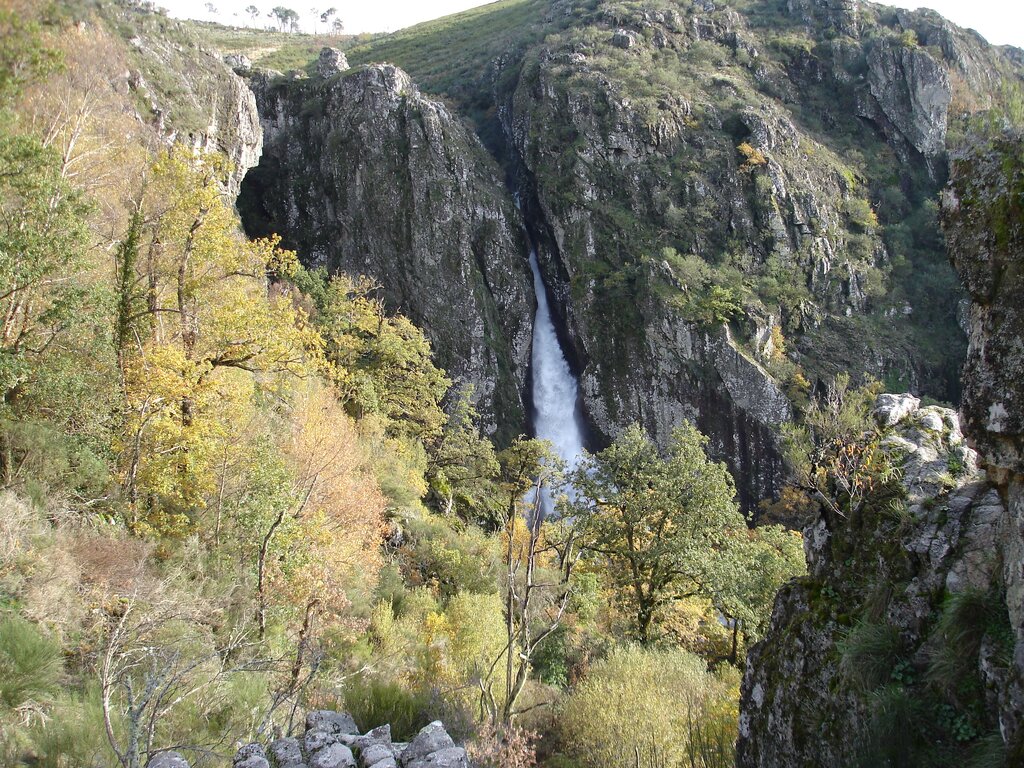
<point>661,706</point>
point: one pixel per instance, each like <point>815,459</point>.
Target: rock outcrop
<point>191,94</point>
<point>362,173</point>
<point>332,740</point>
<point>913,93</point>
<point>984,222</point>
<point>898,604</point>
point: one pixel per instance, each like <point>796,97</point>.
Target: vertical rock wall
<point>363,174</point>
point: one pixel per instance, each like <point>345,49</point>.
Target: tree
<point>338,26</point>
<point>208,339</point>
<point>287,19</point>
<point>253,12</point>
<point>663,525</point>
<point>538,564</point>
<point>835,456</point>
<point>745,584</point>
<point>462,468</point>
<point>382,364</point>
<point>325,17</point>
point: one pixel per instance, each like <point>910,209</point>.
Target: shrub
<point>30,662</point>
<point>870,653</point>
<point>373,702</point>
<point>658,706</point>
<point>860,213</point>
<point>512,747</point>
<point>752,157</point>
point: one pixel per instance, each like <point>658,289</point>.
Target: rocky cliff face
<point>187,93</point>
<point>362,173</point>
<point>896,649</point>
<point>984,220</point>
<point>830,681</point>
<point>679,165</point>
<point>669,125</point>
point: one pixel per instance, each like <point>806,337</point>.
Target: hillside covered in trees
<point>236,488</point>
<point>268,427</point>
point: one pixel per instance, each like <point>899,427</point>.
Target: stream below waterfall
<point>555,390</point>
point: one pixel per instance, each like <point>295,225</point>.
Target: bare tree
<point>149,667</point>
<point>539,560</point>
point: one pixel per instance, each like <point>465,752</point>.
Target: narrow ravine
<point>555,389</point>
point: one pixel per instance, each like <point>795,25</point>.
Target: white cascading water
<point>554,386</point>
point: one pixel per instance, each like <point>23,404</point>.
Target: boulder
<point>251,756</point>
<point>331,722</point>
<point>375,754</point>
<point>167,760</point>
<point>333,756</point>
<point>624,39</point>
<point>433,738</point>
<point>331,62</point>
<point>239,62</point>
<point>318,739</point>
<point>452,757</point>
<point>892,409</point>
<point>286,753</point>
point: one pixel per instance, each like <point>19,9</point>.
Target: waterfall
<point>555,389</point>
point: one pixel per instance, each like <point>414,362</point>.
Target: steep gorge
<point>905,643</point>
<point>729,204</point>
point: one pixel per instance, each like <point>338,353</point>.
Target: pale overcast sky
<point>999,21</point>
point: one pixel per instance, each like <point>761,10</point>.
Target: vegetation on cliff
<point>235,487</point>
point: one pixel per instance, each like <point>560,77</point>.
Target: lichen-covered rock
<point>983,211</point>
<point>239,62</point>
<point>450,757</point>
<point>332,741</point>
<point>892,567</point>
<point>331,62</point>
<point>363,174</point>
<point>286,753</point>
<point>984,223</point>
<point>333,755</point>
<point>432,738</point>
<point>251,756</point>
<point>167,759</point>
<point>374,754</point>
<point>328,721</point>
<point>892,409</point>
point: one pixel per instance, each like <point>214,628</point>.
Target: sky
<point>999,21</point>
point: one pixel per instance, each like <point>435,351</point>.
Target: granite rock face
<point>192,95</point>
<point>362,173</point>
<point>806,698</point>
<point>913,92</point>
<point>331,62</point>
<point>984,222</point>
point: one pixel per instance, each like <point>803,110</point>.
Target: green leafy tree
<point>382,363</point>
<point>664,525</point>
<point>463,468</point>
